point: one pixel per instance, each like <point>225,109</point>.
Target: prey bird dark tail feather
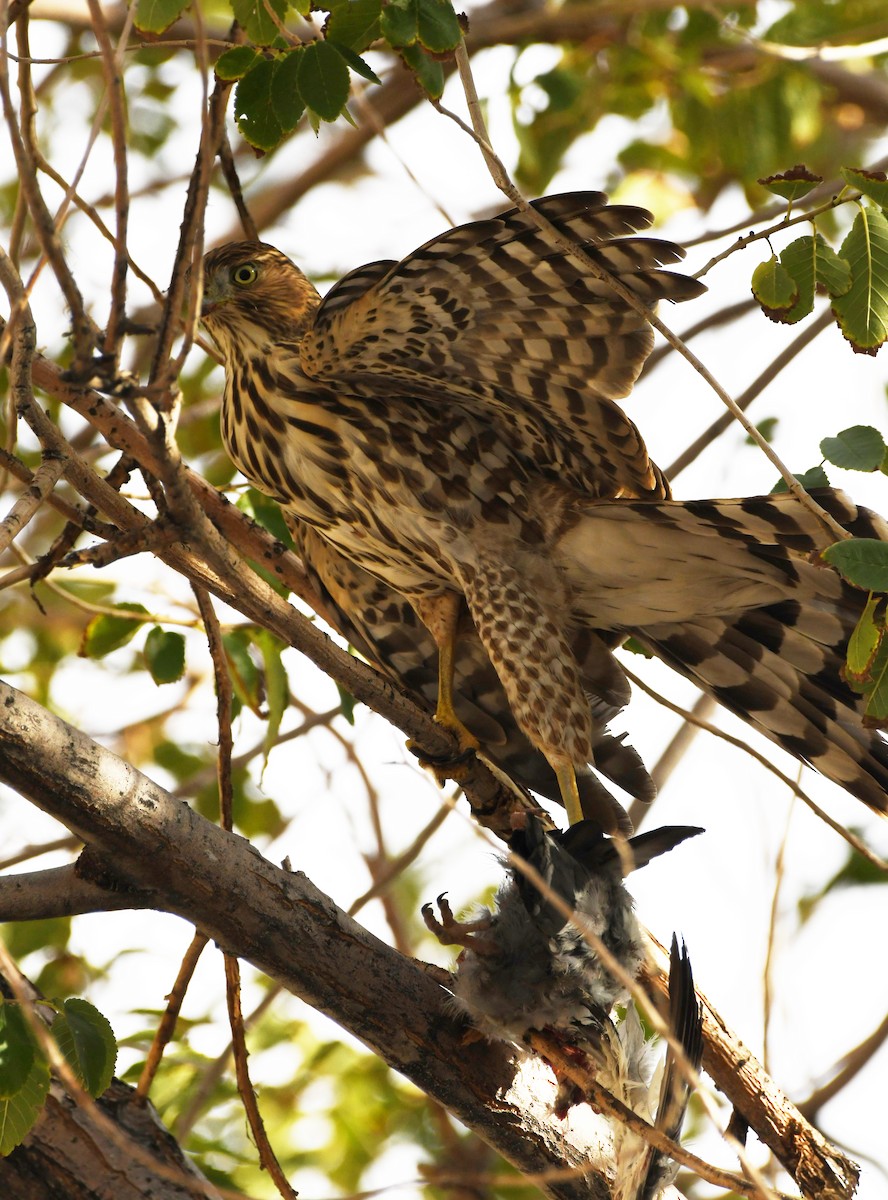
<point>642,1172</point>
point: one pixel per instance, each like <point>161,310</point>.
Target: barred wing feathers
<point>507,319</point>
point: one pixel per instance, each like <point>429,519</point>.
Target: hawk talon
<point>441,762</point>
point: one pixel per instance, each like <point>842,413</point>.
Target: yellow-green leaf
<point>154,16</point>
<point>791,185</point>
<point>774,287</point>
<point>863,645</point>
<point>871,183</point>
<point>236,62</point>
<point>105,632</point>
<point>863,311</point>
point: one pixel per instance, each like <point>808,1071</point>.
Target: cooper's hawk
<point>446,426</point>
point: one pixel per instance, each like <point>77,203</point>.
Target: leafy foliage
<point>278,81</point>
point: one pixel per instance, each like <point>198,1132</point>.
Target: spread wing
<point>516,329</point>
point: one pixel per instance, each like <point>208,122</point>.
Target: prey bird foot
<point>451,932</point>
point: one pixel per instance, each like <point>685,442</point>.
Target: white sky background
<point>830,982</point>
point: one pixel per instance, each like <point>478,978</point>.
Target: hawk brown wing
<point>516,328</point>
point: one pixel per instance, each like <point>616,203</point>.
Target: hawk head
<point>254,295</point>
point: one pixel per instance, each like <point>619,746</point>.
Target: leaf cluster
<point>280,78</point>
<point>855,278</point>
<point>85,1039</point>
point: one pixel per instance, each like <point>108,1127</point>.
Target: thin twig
<point>167,1024</point>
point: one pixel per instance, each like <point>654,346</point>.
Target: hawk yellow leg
<point>440,614</point>
<point>570,793</point>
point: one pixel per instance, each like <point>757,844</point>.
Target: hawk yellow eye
<point>245,274</point>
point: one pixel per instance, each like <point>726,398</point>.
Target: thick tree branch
<point>63,892</point>
<point>67,1155</point>
<point>287,928</point>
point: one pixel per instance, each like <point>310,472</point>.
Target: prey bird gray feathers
<point>529,965</point>
<point>443,435</point>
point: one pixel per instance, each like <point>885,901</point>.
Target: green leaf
<point>19,1113</point>
<point>437,26</point>
<point>154,16</point>
<point>399,22</point>
<point>863,645</point>
<point>285,98</point>
<point>816,477</point>
<point>833,272</point>
<point>245,676</point>
<point>277,688</point>
<point>17,1048</point>
<point>85,1037</point>
<point>863,311</point>
<point>165,655</point>
<point>106,633</point>
<point>774,287</point>
<point>355,61</point>
<point>766,428</point>
<point>431,23</point>
<point>872,183</point>
<point>323,80</point>
<point>857,871</point>
<point>24,937</point>
<point>353,23</point>
<point>859,448</point>
<point>791,185</point>
<point>348,703</point>
<point>810,261</point>
<point>254,108</point>
<point>267,513</point>
<point>875,715</point>
<point>252,16</point>
<point>235,63</point>
<point>429,73</point>
<point>634,646</point>
<point>862,561</point>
